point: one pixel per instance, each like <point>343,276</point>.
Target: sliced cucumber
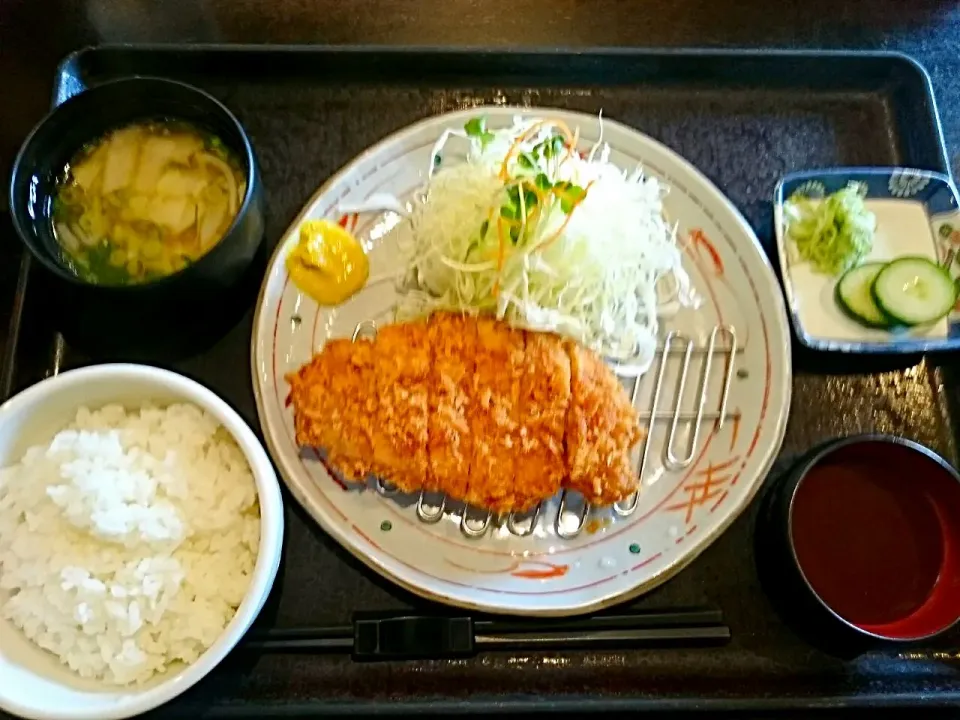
<point>855,295</point>
<point>914,291</point>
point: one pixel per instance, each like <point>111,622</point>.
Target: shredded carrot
<point>530,131</point>
<point>566,221</point>
<point>572,145</point>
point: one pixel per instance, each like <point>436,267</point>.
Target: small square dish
<point>911,270</point>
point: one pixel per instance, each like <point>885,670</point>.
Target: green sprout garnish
<point>477,128</point>
<point>569,195</point>
<point>549,147</point>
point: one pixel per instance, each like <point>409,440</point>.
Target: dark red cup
<point>868,531</point>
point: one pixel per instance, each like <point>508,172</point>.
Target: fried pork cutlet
<point>334,405</point>
<point>497,417</point>
<point>541,464</point>
<point>601,429</point>
<point>453,342</point>
<point>401,365</point>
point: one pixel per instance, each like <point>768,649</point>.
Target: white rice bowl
<point>140,532</point>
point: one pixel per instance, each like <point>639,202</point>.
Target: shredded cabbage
<point>833,233</point>
<point>519,225</point>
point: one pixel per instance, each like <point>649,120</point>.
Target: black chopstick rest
<point>412,638</point>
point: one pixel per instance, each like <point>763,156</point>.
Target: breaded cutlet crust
<point>540,465</point>
<point>332,394</point>
<point>401,363</point>
<point>602,428</point>
<point>453,344</point>
<point>495,418</point>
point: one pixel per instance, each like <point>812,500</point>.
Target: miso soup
<point>145,201</point>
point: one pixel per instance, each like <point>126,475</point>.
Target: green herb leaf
<point>570,197</point>
<point>542,181</point>
<point>509,212</point>
<point>552,146</point>
<point>526,161</point>
<point>558,144</point>
<point>101,270</point>
<point>61,212</point>
<point>514,234</point>
<point>477,128</point>
<point>530,199</point>
<point>483,229</point>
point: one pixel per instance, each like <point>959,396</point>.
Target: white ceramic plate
<point>681,510</point>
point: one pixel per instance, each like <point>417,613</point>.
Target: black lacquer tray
<point>744,119</point>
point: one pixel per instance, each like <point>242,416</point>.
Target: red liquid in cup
<point>876,531</point>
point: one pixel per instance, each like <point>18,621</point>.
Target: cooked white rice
<point>127,542</point>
